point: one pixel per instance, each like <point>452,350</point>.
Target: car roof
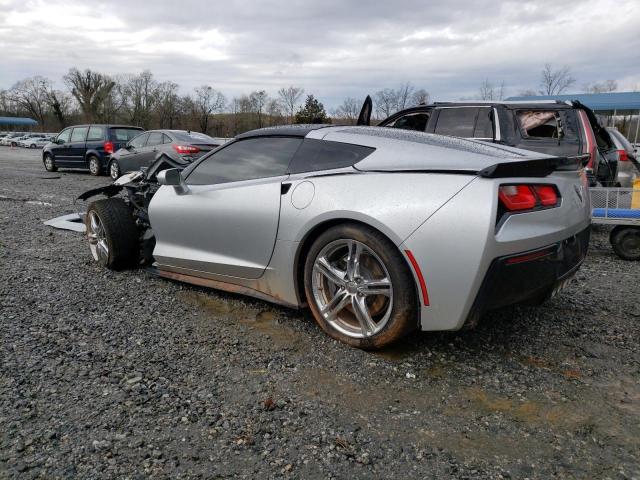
<point>301,130</point>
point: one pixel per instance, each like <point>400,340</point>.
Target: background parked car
<point>546,126</point>
<point>87,147</point>
<point>10,139</point>
<point>28,140</point>
<point>38,142</point>
<point>627,157</point>
<point>142,150</point>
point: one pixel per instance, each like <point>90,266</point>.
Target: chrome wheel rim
<point>114,170</point>
<point>352,288</point>
<point>93,166</point>
<point>48,162</point>
<point>97,238</point>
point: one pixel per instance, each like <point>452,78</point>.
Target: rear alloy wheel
<point>112,234</point>
<point>626,242</point>
<point>359,287</point>
<point>49,164</point>
<point>33,145</point>
<point>94,166</point>
<point>114,169</point>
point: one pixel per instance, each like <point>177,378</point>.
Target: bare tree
<point>90,89</point>
<point>403,95</point>
<point>207,101</point>
<point>31,95</point>
<point>168,104</point>
<point>140,93</point>
<point>601,87</point>
<point>290,98</point>
<point>554,82</point>
<point>420,97</point>
<point>386,102</point>
<point>258,100</point>
<point>349,110</point>
<point>60,104</point>
<point>491,91</point>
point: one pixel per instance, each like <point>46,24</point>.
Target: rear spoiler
<point>540,167</point>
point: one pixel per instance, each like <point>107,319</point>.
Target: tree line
<point>139,99</point>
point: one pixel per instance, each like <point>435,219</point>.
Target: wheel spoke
<point>338,302</point>
<point>353,260</point>
<point>103,248</point>
<point>334,275</point>
<point>376,287</point>
<point>361,311</point>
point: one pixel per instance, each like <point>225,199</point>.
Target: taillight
<point>623,156</point>
<point>186,149</point>
<point>518,198</point>
<point>108,147</point>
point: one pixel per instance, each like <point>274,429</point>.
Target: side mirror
<point>56,141</point>
<point>173,177</point>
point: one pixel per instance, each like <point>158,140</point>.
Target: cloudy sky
<point>333,48</point>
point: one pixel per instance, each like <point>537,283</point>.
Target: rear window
<point>540,124</point>
<point>124,134</point>
<point>194,137</point>
<point>314,155</point>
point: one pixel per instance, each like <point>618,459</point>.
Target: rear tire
<point>367,303</point>
<point>49,163</point>
<point>114,169</point>
<point>94,166</point>
<point>112,234</point>
<point>626,242</point>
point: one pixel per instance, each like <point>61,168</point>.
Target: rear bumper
<point>529,277</point>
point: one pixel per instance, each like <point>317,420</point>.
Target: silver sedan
<point>380,232</point>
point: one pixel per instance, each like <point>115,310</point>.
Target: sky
<point>334,48</point>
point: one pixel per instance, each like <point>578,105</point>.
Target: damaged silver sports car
<point>379,231</point>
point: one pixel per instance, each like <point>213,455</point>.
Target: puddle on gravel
<point>265,323</point>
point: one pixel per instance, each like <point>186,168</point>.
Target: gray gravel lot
<point>124,375</point>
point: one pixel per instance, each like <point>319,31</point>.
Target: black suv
<point>548,126</point>
<point>87,147</point>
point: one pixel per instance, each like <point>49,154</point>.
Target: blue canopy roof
<point>620,102</point>
<point>17,121</point>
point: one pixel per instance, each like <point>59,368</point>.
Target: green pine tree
<point>312,112</point>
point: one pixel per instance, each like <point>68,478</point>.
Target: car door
<point>77,147</point>
<point>60,149</point>
<point>227,222</point>
<point>154,143</point>
<point>128,157</point>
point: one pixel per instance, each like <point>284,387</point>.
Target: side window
<point>414,121</point>
<point>155,138</point>
<point>458,122</point>
<point>95,133</point>
<point>139,141</point>
<point>166,138</point>
<point>79,134</point>
<point>248,159</point>
<point>64,136</point>
<point>484,124</point>
<point>316,155</point>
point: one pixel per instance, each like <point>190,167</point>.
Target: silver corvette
<point>379,232</point>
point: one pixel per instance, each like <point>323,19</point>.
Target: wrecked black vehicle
<point>125,210</point>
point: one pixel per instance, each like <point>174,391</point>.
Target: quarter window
<point>246,160</point>
<point>316,155</point>
<point>414,121</point>
<point>95,133</point>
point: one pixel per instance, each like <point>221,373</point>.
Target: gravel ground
<point>124,375</point>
